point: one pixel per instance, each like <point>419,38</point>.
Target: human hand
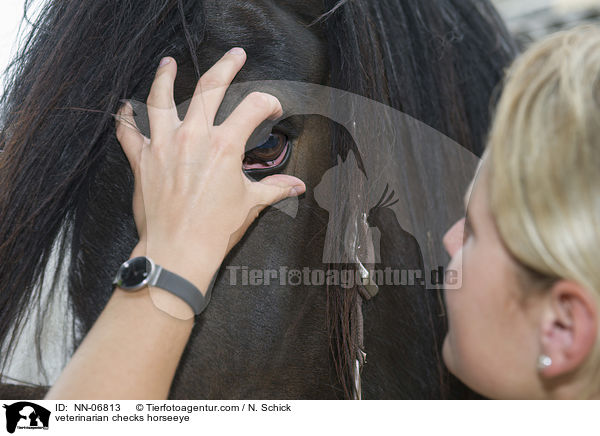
<point>192,202</point>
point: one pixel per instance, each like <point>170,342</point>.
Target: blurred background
<point>11,12</point>
<point>528,20</point>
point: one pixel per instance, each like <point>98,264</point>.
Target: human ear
<point>569,328</point>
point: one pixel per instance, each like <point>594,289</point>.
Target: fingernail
<point>296,191</point>
<point>164,61</point>
<point>238,51</point>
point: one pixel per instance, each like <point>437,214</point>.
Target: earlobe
<point>569,329</point>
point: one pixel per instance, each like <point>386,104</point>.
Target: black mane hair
<point>441,62</point>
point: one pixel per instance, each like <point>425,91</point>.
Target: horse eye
<point>267,155</point>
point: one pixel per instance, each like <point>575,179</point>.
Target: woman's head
<point>530,279</point>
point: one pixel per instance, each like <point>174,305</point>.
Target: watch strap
<point>184,289</point>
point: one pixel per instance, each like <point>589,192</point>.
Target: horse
<point>66,221</point>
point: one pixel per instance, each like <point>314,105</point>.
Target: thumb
<point>278,187</point>
<point>268,191</point>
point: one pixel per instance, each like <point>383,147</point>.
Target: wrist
<point>199,273</point>
<point>198,266</point>
<point>138,250</point>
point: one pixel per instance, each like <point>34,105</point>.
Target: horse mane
<point>438,61</point>
<point>60,159</point>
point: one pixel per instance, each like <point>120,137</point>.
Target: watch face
<point>135,272</point>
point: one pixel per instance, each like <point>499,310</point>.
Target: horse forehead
<point>306,9</point>
<point>276,36</point>
<point>309,8</point>
<point>264,23</point>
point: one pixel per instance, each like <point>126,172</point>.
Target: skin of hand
<point>192,203</point>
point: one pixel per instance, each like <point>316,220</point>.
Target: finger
<point>267,192</point>
<point>128,135</point>
<point>162,111</point>
<point>273,189</point>
<point>212,86</point>
<point>250,113</point>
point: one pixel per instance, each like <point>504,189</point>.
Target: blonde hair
<point>543,158</point>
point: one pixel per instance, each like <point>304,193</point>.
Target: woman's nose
<point>453,239</point>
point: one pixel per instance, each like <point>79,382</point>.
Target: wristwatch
<point>139,272</point>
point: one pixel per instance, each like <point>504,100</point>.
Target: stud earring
<point>543,361</point>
